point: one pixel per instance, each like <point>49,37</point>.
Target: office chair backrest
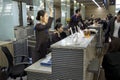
<point>9,57</point>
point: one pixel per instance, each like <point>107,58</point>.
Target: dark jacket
<point>42,40</point>
<point>56,38</point>
<point>111,65</point>
<point>41,32</point>
<point>74,22</point>
<point>111,27</point>
<point>111,61</point>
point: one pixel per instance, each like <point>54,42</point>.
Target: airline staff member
<point>41,32</point>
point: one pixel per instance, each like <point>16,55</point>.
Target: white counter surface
<point>36,67</point>
<point>75,41</point>
<point>5,42</point>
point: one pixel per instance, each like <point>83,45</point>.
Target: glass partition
<point>75,5</point>
<point>65,11</point>
<point>82,11</point>
<point>78,5</point>
<point>9,18</point>
<point>68,9</point>
<point>24,14</point>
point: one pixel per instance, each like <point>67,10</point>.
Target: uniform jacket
<point>41,32</point>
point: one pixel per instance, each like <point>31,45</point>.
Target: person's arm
<point>107,33</point>
<point>48,25</point>
<point>51,12</point>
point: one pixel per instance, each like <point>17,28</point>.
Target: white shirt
<point>116,29</point>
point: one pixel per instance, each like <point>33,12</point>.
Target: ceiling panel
<point>90,2</point>
<point>29,2</point>
<point>85,2</point>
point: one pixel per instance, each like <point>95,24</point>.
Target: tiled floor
<point>24,78</point>
<point>102,74</point>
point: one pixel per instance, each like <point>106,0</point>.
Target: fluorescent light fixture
<point>81,4</point>
<point>96,3</point>
<point>75,1</point>
<point>62,0</point>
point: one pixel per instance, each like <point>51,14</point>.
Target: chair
<point>17,70</point>
<point>3,75</point>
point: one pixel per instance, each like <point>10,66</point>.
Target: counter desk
<point>100,37</point>
<point>70,59</point>
<point>100,34</point>
<point>39,72</point>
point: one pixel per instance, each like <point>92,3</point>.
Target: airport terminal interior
<point>59,39</point>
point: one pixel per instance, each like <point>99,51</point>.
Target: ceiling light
<point>75,1</point>
<point>96,3</point>
<point>62,0</point>
<point>81,4</point>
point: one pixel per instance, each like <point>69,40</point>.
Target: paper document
<point>47,61</point>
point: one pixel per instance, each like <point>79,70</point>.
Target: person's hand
<point>69,29</point>
<point>50,8</point>
<point>57,33</point>
<point>51,11</point>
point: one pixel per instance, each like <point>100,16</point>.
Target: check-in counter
<point>3,59</point>
<point>70,59</point>
<point>99,28</point>
<point>39,72</point>
<point>100,37</point>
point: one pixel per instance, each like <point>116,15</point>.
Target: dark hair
<point>58,26</point>
<point>40,13</point>
<point>77,10</point>
<point>118,12</point>
<point>96,20</point>
<point>58,20</point>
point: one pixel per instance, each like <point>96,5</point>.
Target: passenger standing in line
<point>42,35</point>
<point>109,17</point>
<point>113,30</point>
